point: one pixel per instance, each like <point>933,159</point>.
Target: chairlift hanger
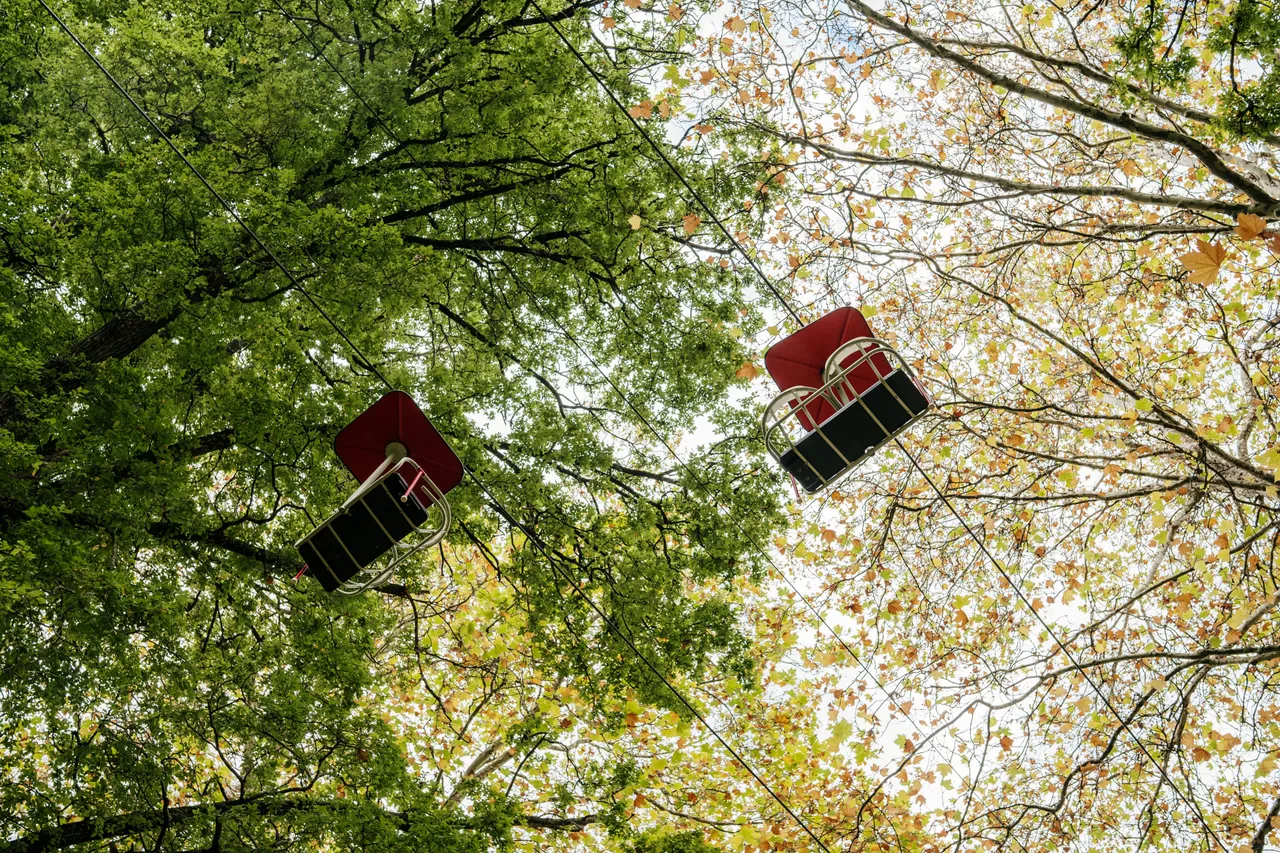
<point>844,393</point>
<point>405,468</point>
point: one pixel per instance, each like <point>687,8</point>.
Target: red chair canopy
<point>800,358</point>
<point>362,444</point>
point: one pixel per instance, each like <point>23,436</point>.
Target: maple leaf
<point>747,371</point>
<point>736,24</point>
<point>1006,743</point>
<point>634,221</point>
<point>643,110</point>
<point>1200,754</point>
<point>1249,226</point>
<point>691,223</point>
<point>674,12</point>
<point>1205,263</point>
<point>631,4</point>
<point>609,22</point>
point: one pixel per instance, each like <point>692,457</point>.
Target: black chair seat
<point>814,462</point>
<point>352,538</point>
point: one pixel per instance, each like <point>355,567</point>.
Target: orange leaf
<point>828,535</point>
<point>691,223</point>
<point>643,110</point>
<point>894,607</point>
<point>609,22</point>
<point>1200,754</point>
<point>1213,250</point>
<point>747,371</point>
<point>1204,264</point>
<point>1249,226</point>
<point>1006,743</point>
<point>674,12</point>
<point>736,24</point>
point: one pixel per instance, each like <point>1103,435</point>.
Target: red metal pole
<point>416,477</point>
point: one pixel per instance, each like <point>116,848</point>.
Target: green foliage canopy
<point>168,398</point>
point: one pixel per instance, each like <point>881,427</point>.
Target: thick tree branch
<point>1023,187</point>
<point>1203,152</point>
<point>84,831</point>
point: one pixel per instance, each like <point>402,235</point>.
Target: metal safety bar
<point>430,534</point>
<point>784,418</point>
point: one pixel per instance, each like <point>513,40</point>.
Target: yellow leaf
<point>691,222</point>
<point>634,221</point>
<point>1270,458</point>
<point>1249,226</point>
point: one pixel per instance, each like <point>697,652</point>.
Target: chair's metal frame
<point>374,575</point>
<point>782,420</point>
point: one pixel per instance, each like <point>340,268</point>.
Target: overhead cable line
<point>377,117</point>
<point>552,560</point>
<point>1195,809</point>
<point>925,737</point>
<point>581,593</point>
<point>609,623</point>
<point>1021,596</point>
<point>662,155</point>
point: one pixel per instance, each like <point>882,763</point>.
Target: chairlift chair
<point>405,468</point>
<point>844,393</point>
